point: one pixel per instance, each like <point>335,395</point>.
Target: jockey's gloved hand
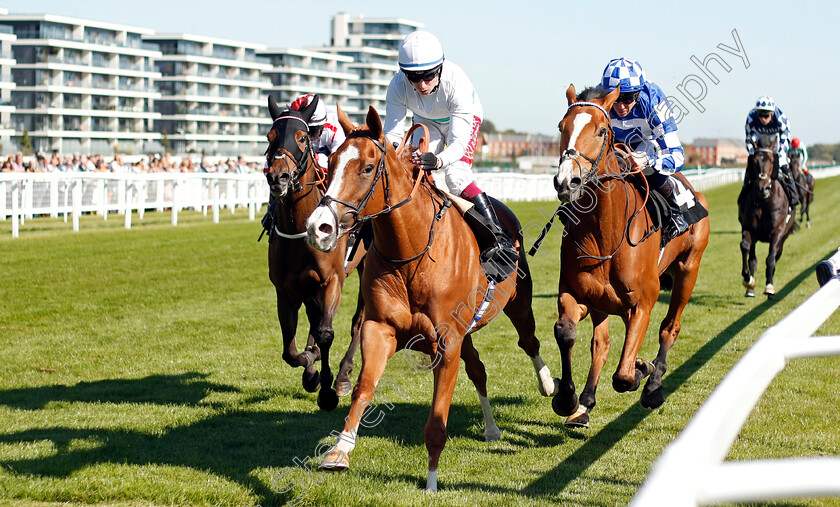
<point>640,160</point>
<point>429,161</point>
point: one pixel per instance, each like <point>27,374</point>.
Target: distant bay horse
<point>301,274</point>
<point>805,185</point>
<point>764,214</point>
<point>606,265</point>
<point>422,284</point>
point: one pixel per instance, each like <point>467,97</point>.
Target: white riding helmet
<point>765,103</point>
<point>319,117</point>
<point>420,51</point>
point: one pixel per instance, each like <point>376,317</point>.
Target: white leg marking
<point>431,481</point>
<point>491,431</point>
<point>548,386</point>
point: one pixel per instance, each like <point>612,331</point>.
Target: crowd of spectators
<point>54,162</point>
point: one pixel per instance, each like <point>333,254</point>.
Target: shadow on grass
<point>599,444</point>
<point>234,444</point>
<point>185,389</point>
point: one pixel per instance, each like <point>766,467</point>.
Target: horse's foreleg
<point>599,350</point>
<point>446,374</point>
<point>773,255</point>
<point>342,380</point>
<point>378,345</point>
<point>331,298</point>
<point>287,314</point>
<point>565,402</point>
<point>311,376</point>
<point>478,375</point>
<point>628,375</point>
<point>747,249</point>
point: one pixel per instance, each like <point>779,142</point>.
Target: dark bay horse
<point>805,185</point>
<point>301,274</point>
<point>422,283</point>
<point>763,214</point>
<point>605,266</point>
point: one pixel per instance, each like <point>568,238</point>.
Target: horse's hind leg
<point>565,402</point>
<point>521,315</point>
<point>476,372</point>
<point>599,349</point>
<point>342,380</point>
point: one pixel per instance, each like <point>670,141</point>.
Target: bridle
<point>301,162</point>
<point>762,176</point>
<point>383,174</point>
<point>573,154</point>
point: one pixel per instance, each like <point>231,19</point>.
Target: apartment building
<point>295,72</point>
<point>81,85</point>
<point>7,84</point>
<point>212,95</point>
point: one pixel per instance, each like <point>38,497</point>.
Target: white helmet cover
<point>765,103</point>
<point>420,51</point>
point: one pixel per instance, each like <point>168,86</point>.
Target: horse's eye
<point>602,132</point>
<point>368,168</point>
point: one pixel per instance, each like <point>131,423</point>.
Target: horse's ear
<point>273,108</point>
<point>344,120</point>
<point>571,95</point>
<point>309,110</point>
<point>611,97</point>
<point>374,123</point>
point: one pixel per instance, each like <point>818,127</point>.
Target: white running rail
<point>25,195</point>
<point>692,471</point>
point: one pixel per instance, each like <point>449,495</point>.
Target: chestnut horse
<point>607,267</point>
<point>764,214</point>
<point>422,286</point>
<point>805,185</point>
<point>301,274</point>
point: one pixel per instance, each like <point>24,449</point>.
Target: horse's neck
<point>404,232</point>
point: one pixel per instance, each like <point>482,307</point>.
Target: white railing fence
<point>24,196</point>
<point>692,471</point>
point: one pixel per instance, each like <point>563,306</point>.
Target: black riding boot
<point>498,256</point>
<point>677,225</point>
<point>790,186</point>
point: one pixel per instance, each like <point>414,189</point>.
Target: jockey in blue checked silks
<point>641,118</point>
<point>767,119</point>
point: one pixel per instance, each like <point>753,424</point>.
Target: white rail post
<point>141,193</point>
<point>216,201</point>
<point>15,209</point>
<point>77,203</point>
<point>176,200</point>
<point>129,186</point>
<point>54,198</point>
<point>252,201</point>
<point>4,208</point>
<point>28,200</point>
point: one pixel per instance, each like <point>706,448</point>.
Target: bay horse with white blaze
<point>764,214</point>
<point>606,265</point>
<point>301,274</point>
<point>422,283</point>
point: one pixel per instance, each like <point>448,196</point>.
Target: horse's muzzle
<point>322,229</point>
<point>279,183</point>
<point>567,188</point>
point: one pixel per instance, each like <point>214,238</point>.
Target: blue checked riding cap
<point>765,103</point>
<point>627,73</point>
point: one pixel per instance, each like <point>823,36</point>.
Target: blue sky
<point>521,56</point>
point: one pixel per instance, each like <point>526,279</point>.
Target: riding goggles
<point>421,75</point>
<point>765,114</point>
<point>627,98</point>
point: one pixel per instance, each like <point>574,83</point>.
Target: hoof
<point>644,367</point>
<point>492,434</point>
<point>749,284</point>
<point>311,381</point>
<point>564,405</point>
<point>580,419</point>
<point>808,224</point>
<point>343,387</point>
<point>749,294</point>
<point>334,461</point>
<point>770,290</point>
<point>622,385</point>
<point>653,399</point>
<point>327,399</point>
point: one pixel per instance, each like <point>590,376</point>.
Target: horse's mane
<point>766,141</point>
<point>592,92</point>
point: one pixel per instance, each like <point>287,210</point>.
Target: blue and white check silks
<point>778,126</point>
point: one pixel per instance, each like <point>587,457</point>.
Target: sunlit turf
<point>143,367</point>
